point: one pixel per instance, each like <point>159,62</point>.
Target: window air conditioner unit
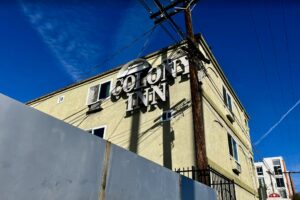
<point>236,167</point>
<point>230,117</point>
<point>95,107</point>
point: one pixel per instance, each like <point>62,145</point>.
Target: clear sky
<point>46,46</point>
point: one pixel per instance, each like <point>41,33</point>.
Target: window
<point>276,162</point>
<point>166,115</point>
<point>282,193</point>
<point>227,99</point>
<point>261,182</point>
<point>100,132</point>
<point>104,90</point>
<point>246,122</point>
<point>277,170</point>
<point>280,182</point>
<point>277,167</point>
<point>232,147</point>
<point>259,171</point>
<point>98,92</point>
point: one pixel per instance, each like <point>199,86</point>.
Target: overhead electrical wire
<point>120,50</point>
<point>146,43</point>
<point>145,5</point>
<point>169,34</point>
<point>103,102</point>
<point>276,59</point>
<point>264,67</point>
<point>290,71</point>
<point>288,49</point>
<point>219,94</point>
<point>263,62</point>
<point>274,53</point>
<point>175,27</point>
<point>148,9</point>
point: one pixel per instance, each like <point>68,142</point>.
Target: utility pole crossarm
<point>165,9</point>
<point>194,55</point>
<point>166,15</point>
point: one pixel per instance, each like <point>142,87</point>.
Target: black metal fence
<point>224,186</point>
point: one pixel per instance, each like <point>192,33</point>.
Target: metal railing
<point>224,186</point>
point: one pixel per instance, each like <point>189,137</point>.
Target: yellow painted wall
<point>119,126</point>
<point>153,135</point>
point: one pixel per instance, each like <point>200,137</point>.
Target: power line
<point>169,34</point>
<point>145,5</point>
<point>148,9</point>
<point>169,19</point>
<point>103,101</point>
<point>292,172</point>
<point>290,71</point>
<point>146,43</point>
<point>288,49</point>
<point>274,50</point>
<point>276,58</point>
<point>218,92</point>
<point>109,58</point>
<point>264,66</point>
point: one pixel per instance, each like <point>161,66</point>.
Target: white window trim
<point>102,82</point>
<point>228,94</point>
<point>237,148</point>
<point>98,127</point>
<point>88,94</point>
<point>284,182</point>
<point>262,170</point>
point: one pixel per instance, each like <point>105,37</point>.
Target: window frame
<point>231,148</point>
<point>98,127</point>
<point>276,171</point>
<point>262,171</point>
<point>99,88</point>
<point>261,181</point>
<point>283,191</point>
<point>282,182</point>
<point>227,99</point>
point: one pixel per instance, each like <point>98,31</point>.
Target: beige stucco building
<point>145,106</point>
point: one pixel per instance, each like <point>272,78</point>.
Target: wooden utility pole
<point>196,93</point>
<point>195,56</point>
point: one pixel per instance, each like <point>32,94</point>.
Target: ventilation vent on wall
<point>230,117</point>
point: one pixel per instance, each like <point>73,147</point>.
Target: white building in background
<point>274,181</point>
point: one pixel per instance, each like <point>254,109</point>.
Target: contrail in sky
<point>277,123</point>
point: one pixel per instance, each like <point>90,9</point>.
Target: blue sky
<point>46,46</point>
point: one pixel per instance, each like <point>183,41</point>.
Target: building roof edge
<point>46,96</point>
<point>207,48</point>
<point>198,36</point>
